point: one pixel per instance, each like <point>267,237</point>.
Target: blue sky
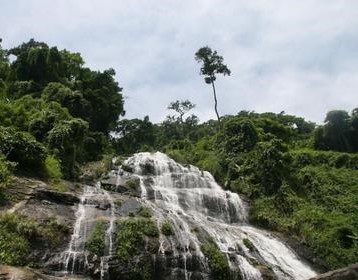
<point>300,57</point>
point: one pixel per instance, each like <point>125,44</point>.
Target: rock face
<point>152,218</point>
<point>348,273</point>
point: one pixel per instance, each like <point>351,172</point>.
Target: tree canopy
<point>67,107</point>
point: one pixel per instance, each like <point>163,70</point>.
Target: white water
<point>95,204</point>
<point>191,200</point>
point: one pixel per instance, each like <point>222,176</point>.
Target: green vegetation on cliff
<point>217,260</point>
<point>17,233</point>
<point>96,241</point>
<point>130,236</point>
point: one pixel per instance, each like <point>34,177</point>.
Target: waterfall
<point>96,204</point>
<point>192,202</point>
<point>198,211</point>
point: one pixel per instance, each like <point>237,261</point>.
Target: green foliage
<point>340,132</point>
<point>22,148</point>
<point>130,236</point>
<point>53,168</point>
<point>96,169</point>
<point>239,135</point>
<point>320,213</point>
<point>142,271</point>
<point>14,248</point>
<point>19,89</point>
<point>5,172</point>
<point>133,134</point>
<point>303,157</point>
<point>145,212</point>
<point>66,139</point>
<point>167,229</point>
<point>267,165</point>
<point>133,184</point>
<point>53,232</point>
<point>96,241</point>
<point>181,108</point>
<point>68,108</point>
<point>217,260</point>
<point>212,64</point>
<point>17,232</point>
<point>74,101</point>
<point>249,245</point>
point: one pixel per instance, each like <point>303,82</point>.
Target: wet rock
<point>57,197</point>
<point>130,206</point>
<point>109,183</point>
<point>266,272</point>
<point>148,167</point>
<point>348,273</point>
<point>128,168</point>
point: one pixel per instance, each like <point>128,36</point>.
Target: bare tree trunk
<point>216,103</point>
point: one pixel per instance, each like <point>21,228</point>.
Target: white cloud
<point>296,56</point>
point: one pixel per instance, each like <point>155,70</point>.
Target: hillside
<point>60,119</point>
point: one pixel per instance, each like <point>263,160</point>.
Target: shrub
<point>21,147</point>
<point>249,245</point>
<point>217,261</point>
<point>96,242</point>
<point>133,184</point>
<point>53,168</point>
<point>5,172</point>
<point>167,229</point>
<point>145,212</point>
<point>14,248</point>
<point>130,238</point>
<point>15,233</point>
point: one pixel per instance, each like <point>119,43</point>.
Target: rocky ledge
<point>347,273</point>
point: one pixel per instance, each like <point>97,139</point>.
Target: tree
<point>212,64</point>
<point>335,133</point>
<point>181,107</point>
<point>133,135</point>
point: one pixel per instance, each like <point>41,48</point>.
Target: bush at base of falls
<point>130,236</point>
<point>96,242</point>
<point>14,248</point>
<point>217,260</point>
<point>167,229</point>
<point>15,233</point>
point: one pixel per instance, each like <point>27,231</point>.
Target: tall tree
<point>181,107</point>
<point>212,64</point>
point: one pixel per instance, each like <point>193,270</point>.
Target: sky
<point>300,57</point>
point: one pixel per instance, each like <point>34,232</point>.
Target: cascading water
<point>191,201</point>
<point>96,204</point>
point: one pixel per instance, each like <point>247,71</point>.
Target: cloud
<point>296,56</point>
